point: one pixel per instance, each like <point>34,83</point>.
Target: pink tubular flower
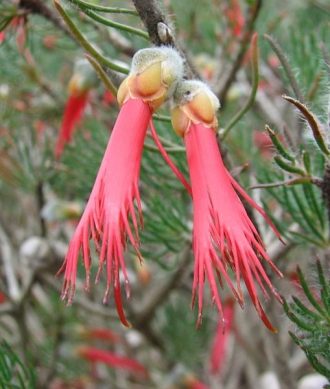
<point>79,88</point>
<point>95,355</point>
<point>110,215</point>
<point>224,237</point>
<point>218,352</point>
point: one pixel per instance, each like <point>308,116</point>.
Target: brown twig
<point>159,31</point>
<point>161,294</point>
<point>40,8</point>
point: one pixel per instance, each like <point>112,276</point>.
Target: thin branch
<point>254,13</point>
<point>8,266</point>
<point>159,31</point>
<point>90,306</point>
<point>161,294</point>
<point>286,66</point>
<point>84,42</point>
<point>255,82</point>
<point>102,75</point>
<point>151,16</point>
<point>40,8</point>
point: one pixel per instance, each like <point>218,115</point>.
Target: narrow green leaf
<point>278,145</point>
<point>314,124</point>
<point>308,292</point>
<point>304,311</point>
<point>306,214</point>
<point>288,167</point>
<point>293,317</point>
<point>84,42</point>
<point>116,25</point>
<point>102,8</point>
<point>325,292</point>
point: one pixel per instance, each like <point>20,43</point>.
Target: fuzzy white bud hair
<point>188,89</point>
<point>146,57</point>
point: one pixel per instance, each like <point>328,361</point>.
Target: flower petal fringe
<point>224,237</point>
<point>110,210</point>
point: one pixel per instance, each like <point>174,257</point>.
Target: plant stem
<point>85,44</point>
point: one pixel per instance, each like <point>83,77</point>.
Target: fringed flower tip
<point>224,237</point>
<point>111,206</point>
<point>113,212</point>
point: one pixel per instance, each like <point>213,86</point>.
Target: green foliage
<point>312,318</point>
<point>13,372</point>
<point>178,326</point>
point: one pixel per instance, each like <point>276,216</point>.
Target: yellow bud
<point>195,103</point>
<point>201,107</point>
<point>153,76</point>
<point>148,82</point>
<point>75,86</point>
<point>158,99</point>
<point>180,121</point>
<point>123,91</point>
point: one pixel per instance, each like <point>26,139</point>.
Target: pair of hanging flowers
<point>225,240</point>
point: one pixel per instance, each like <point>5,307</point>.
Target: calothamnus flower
<point>95,355</point>
<point>224,237</point>
<point>220,343</point>
<point>110,215</point>
<point>80,85</point>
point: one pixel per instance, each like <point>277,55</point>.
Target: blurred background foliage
<point>42,197</point>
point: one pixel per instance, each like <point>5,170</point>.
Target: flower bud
<point>153,76</point>
<point>83,78</point>
<point>194,103</point>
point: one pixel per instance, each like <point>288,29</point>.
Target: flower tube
<point>80,85</point>
<point>224,237</point>
<point>110,215</point>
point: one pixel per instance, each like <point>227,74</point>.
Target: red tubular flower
<point>218,352</point>
<point>2,297</point>
<point>110,359</point>
<point>110,216</point>
<point>191,382</point>
<point>74,110</point>
<point>2,36</point>
<point>235,17</point>
<point>79,88</point>
<point>108,98</point>
<point>100,334</point>
<point>224,237</point>
<point>18,24</point>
